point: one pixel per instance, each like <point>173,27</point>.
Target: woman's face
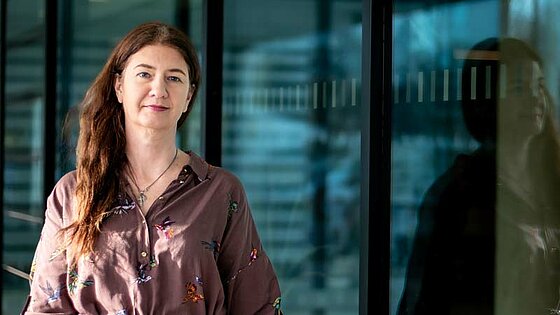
<point>524,106</point>
<point>154,88</point>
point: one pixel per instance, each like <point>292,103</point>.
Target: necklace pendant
<point>141,199</point>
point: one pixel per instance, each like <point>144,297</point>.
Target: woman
<point>142,227</point>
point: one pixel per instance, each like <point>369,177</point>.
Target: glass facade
<point>291,132</point>
<point>474,226</point>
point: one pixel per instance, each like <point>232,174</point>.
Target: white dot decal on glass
<point>420,87</point>
<point>315,87</point>
<point>446,85</point>
<point>459,79</point>
<point>343,92</point>
<point>281,99</point>
<point>353,92</point>
<point>433,86</point>
<point>396,89</point>
<point>333,94</point>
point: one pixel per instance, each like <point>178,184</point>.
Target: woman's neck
<point>149,153</point>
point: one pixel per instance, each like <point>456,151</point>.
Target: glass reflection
<point>487,236</point>
<point>428,133</point>
<point>527,216</point>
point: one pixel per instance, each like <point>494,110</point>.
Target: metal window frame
<point>212,66</point>
<point>376,156</point>
<point>51,70</point>
<point>3,13</point>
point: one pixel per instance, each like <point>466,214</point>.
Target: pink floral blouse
<point>196,251</point>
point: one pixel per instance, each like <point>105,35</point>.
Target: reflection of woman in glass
<point>486,241</point>
<point>142,227</point>
<point>527,204</point>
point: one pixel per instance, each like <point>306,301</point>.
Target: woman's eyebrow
<point>144,65</point>
<point>177,70</point>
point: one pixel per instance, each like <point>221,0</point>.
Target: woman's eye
<point>143,75</point>
<point>175,79</point>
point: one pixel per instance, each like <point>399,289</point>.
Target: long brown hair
<point>100,152</point>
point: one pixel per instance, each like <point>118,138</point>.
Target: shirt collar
<point>198,165</point>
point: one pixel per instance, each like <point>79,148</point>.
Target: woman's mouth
<point>157,108</point>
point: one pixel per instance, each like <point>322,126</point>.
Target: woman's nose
<point>158,88</point>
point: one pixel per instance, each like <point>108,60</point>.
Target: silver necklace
<point>142,192</point>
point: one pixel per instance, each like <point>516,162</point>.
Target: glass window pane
<point>475,220</point>
<point>23,146</point>
<point>429,139</point>
<point>291,132</point>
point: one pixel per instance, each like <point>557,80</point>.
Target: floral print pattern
<point>191,295</point>
<point>165,227</point>
<point>52,294</point>
<point>75,283</point>
<point>122,205</point>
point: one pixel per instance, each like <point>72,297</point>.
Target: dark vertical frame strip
<point>376,156</point>
<point>64,82</point>
<point>182,15</point>
<point>49,138</point>
<point>3,49</point>
<point>212,64</point>
<point>365,157</point>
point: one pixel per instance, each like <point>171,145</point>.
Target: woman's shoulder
<point>65,188</point>
<point>223,175</point>
<point>216,174</point>
<point>61,199</point>
<point>225,180</point>
<point>67,181</point>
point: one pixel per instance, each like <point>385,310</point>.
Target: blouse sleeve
<point>49,292</point>
<point>250,282</point>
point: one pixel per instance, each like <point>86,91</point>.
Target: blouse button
<point>143,254</point>
<point>160,198</point>
<point>181,182</point>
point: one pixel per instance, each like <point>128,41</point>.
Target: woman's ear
<point>187,103</point>
<point>189,97</point>
<point>118,87</point>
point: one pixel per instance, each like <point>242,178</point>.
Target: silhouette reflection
<point>487,240</point>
